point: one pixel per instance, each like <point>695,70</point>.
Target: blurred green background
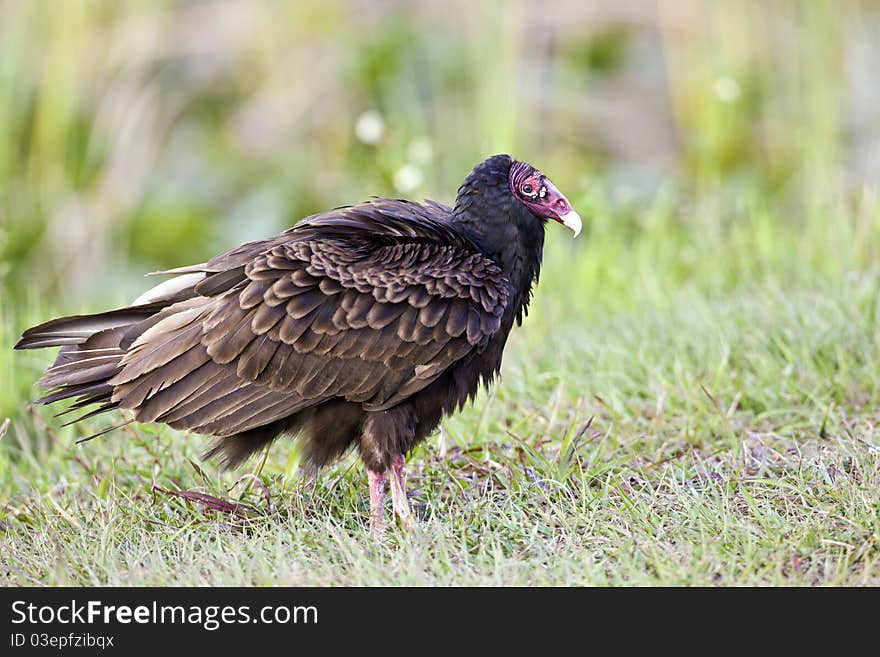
<point>708,144</point>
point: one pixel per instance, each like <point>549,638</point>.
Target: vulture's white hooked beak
<point>572,220</point>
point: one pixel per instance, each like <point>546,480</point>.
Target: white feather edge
<point>188,269</point>
<point>168,288</point>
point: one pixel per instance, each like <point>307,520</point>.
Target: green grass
<point>692,439</point>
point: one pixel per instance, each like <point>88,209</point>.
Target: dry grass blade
<point>209,501</point>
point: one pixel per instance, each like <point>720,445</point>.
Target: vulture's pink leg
<point>377,502</point>
<point>398,492</point>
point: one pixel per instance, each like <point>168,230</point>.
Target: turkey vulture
<point>360,326</point>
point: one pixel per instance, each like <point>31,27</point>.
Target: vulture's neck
<point>513,238</point>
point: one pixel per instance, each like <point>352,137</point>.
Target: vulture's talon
<point>402,512</point>
<point>376,482</point>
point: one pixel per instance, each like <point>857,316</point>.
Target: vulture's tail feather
<point>89,357</point>
<point>78,329</point>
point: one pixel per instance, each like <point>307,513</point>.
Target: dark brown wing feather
<point>369,304</point>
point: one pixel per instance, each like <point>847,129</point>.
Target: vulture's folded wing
<point>362,312</point>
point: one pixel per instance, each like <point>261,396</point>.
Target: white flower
<point>407,178</point>
<point>420,150</point>
<point>369,127</point>
<point>727,90</point>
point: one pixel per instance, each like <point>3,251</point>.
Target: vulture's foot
<point>377,503</point>
<point>402,512</point>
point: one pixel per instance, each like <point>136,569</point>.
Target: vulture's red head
<point>535,191</point>
<point>503,199</point>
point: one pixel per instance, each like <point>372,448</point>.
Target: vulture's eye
<point>528,189</point>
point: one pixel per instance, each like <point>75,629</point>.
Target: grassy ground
<point>698,428</point>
